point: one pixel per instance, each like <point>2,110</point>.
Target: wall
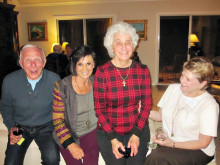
<point>148,50</point>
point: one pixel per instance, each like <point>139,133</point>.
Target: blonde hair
<point>202,68</point>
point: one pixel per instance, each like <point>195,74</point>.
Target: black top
<point>57,63</point>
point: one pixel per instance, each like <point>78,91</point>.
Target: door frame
<point>75,17</point>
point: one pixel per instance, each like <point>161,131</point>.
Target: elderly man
<point>27,97</point>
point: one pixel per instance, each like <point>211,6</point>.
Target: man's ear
<point>20,63</point>
<point>45,60</point>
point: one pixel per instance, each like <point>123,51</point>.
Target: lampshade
<point>51,50</point>
<point>64,46</point>
<point>193,38</point>
<point>192,44</point>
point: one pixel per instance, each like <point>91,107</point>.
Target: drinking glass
<point>159,134</point>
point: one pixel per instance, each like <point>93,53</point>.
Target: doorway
<point>174,31</point>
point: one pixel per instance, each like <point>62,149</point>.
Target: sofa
<point>33,154</point>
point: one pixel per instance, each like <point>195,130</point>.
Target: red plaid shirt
<point>116,105</point>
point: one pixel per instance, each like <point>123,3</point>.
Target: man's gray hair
<point>121,28</point>
<point>32,46</point>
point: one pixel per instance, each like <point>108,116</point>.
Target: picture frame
<point>140,26</point>
<point>37,31</point>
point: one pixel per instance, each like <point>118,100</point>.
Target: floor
<point>157,92</point>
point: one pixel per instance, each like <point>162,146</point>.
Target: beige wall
<point>148,50</point>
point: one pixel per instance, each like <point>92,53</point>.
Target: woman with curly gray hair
<point>119,86</point>
<point>122,28</point>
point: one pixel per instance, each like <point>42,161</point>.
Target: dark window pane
<point>174,32</point>
<point>207,29</point>
<point>96,29</point>
<point>71,31</point>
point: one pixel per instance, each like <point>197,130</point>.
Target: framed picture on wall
<point>140,26</point>
<point>37,31</point>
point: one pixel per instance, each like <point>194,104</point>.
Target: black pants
<point>108,156</point>
<point>43,137</point>
<point>176,156</point>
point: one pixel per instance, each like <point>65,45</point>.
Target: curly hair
<point>122,28</point>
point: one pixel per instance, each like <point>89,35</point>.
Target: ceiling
<point>68,2</point>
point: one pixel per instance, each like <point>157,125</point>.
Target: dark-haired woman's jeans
<point>90,148</point>
<point>42,135</point>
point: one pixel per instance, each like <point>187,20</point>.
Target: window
<point>207,29</point>
<point>86,32</point>
<point>175,43</point>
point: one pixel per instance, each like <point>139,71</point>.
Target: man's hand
<point>13,138</point>
<point>133,143</point>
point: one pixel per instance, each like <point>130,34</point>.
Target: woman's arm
<point>202,142</point>
<point>100,101</point>
<point>146,100</point>
<point>144,110</point>
<point>155,115</point>
<point>60,128</point>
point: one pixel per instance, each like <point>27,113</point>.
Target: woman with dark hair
<point>73,111</point>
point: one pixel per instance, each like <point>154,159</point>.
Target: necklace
<point>123,79</point>
<point>87,103</point>
<point>174,115</point>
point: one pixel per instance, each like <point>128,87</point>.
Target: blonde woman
<point>190,118</point>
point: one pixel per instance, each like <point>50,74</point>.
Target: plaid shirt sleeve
<point>146,101</point>
<point>100,86</point>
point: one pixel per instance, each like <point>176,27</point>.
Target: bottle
<point>18,132</point>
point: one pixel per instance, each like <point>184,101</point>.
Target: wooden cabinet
<point>9,44</point>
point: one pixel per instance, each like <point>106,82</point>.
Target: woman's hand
<point>202,142</point>
<point>133,143</point>
<point>115,146</point>
<point>167,142</point>
<point>13,138</point>
<point>76,151</point>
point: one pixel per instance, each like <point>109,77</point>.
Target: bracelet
<point>173,145</point>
